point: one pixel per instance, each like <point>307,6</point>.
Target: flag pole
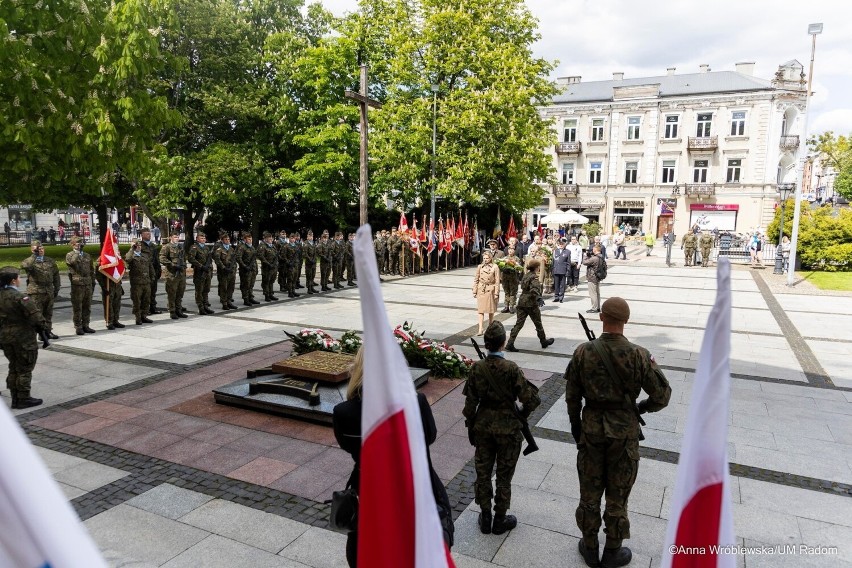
<point>106,301</point>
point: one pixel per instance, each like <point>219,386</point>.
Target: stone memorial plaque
<point>322,366</point>
<point>306,390</point>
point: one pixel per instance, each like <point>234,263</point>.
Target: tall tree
<point>837,153</point>
<point>78,115</point>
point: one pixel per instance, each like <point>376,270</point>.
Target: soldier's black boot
<point>146,320</point>
<point>182,313</point>
<point>589,554</point>
<point>52,335</point>
<point>547,343</point>
<point>485,522</point>
<point>311,290</point>
<point>291,294</point>
<point>118,324</point>
<point>111,327</point>
<point>616,557</point>
<point>26,401</point>
<point>14,395</point>
<point>208,311</point>
<point>88,329</point>
<point>505,310</point>
<point>511,347</point>
<point>503,523</point>
<point>253,301</point>
<point>272,298</point>
<point>173,315</point>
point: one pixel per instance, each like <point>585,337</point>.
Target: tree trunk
<point>254,227</point>
<point>188,226</point>
<point>103,220</point>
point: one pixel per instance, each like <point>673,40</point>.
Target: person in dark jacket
<point>561,267</point>
<point>347,432</point>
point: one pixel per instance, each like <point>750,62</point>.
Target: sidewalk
<point>164,477</point>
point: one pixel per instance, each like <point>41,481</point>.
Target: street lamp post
<point>814,30</point>
<point>784,190</point>
<point>434,147</point>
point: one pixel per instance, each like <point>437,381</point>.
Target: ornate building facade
<point>663,153</point>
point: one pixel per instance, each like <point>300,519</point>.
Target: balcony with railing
<point>700,190</point>
<point>789,142</point>
<point>568,148</point>
<point>565,189</point>
<point>703,143</point>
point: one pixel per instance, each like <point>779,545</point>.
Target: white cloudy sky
<point>594,38</point>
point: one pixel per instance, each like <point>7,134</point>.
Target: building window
<point>734,168</point>
<point>668,171</point>
<point>630,171</point>
<point>567,173</point>
<point>570,131</point>
<point>704,121</point>
<point>597,129</point>
<point>595,169</point>
<point>738,119</point>
<point>633,123</point>
<point>672,122</point>
<point>699,171</point>
<point>784,126</point>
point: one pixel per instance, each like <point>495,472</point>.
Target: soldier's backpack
<point>600,270</point>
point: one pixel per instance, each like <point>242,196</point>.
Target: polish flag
<point>398,525</point>
<point>111,263</point>
<point>403,223</point>
<point>413,242</point>
<point>701,514</point>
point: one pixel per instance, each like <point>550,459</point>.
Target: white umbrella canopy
<point>569,217</point>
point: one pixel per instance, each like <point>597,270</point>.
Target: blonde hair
<point>356,378</point>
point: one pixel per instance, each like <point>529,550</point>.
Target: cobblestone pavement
<point>162,476</point>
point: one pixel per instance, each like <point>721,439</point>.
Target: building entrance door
<point>664,223</point>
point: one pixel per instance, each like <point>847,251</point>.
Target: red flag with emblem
<point>110,262</point>
<point>440,236</point>
<point>431,238</point>
<point>403,223</point>
<point>424,236</point>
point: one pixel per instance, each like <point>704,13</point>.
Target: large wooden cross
<point>364,101</point>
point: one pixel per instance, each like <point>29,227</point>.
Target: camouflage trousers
<point>116,291</point>
<point>283,276</point>
<point>510,290</point>
<point>267,280</point>
<point>226,281</point>
<point>350,270</point>
<point>325,268</point>
<point>310,274</point>
<point>153,295</point>
<point>393,261</point>
<point>689,256</point>
<point>337,272</point>
<point>81,305</point>
<point>140,294</point>
<point>705,256</point>
<point>175,287</point>
<point>22,361</point>
<point>605,466</point>
<point>247,279</point>
<point>202,282</point>
<point>534,314</point>
<point>502,451</point>
<point>44,301</point>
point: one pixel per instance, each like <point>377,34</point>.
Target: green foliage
<point>772,229</point>
<point>593,229</point>
<point>837,153</point>
<point>77,113</point>
<point>824,234</point>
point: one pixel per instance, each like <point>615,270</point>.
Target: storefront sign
<point>713,207</point>
<point>710,219</point>
<point>628,203</point>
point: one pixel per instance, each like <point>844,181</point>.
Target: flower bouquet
<point>350,342</point>
<point>309,339</point>
<point>509,265</point>
<point>443,361</point>
<point>545,254</point>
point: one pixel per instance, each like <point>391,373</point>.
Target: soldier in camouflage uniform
<point>20,320</point>
<point>139,269</point>
<point>299,260</point>
<point>81,269</point>
<point>309,251</point>
<point>290,254</point>
<point>247,261</point>
<point>225,257</point>
<point>283,266</point>
<point>394,247</point>
<point>379,248</point>
<point>149,251</point>
<point>325,257</point>
<point>42,284</point>
<point>338,252</point>
<point>706,244</point>
<point>200,257</point>
<point>172,260</point>
<point>528,306</point>
<point>349,252</point>
<point>494,429</point>
<point>509,278</point>
<point>111,294</point>
<point>688,245</point>
<point>607,432</point>
<point>267,253</point>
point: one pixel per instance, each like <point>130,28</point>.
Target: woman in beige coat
<point>486,289</point>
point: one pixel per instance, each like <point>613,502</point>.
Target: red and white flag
<point>440,236</point>
<point>701,526</point>
<point>403,223</point>
<point>398,525</point>
<point>431,239</point>
<point>111,263</point>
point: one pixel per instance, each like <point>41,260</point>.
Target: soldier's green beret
<point>533,264</point>
<point>9,270</point>
<point>35,243</point>
<point>201,234</point>
<point>616,308</point>
<point>267,234</point>
<point>224,235</point>
<point>245,235</point>
<point>495,335</point>
<point>310,232</point>
<point>75,240</point>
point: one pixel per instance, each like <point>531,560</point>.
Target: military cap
<point>75,240</point>
<point>35,243</point>
<point>201,234</point>
<point>324,233</point>
<point>9,270</point>
<point>245,235</point>
<point>267,234</point>
<point>533,264</point>
<point>616,308</point>
<point>495,334</point>
<point>310,232</point>
<point>492,241</point>
<point>174,233</point>
<point>563,240</point>
<point>224,235</point>
<point>294,234</point>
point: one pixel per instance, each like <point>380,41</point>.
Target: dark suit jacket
<point>561,260</point>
